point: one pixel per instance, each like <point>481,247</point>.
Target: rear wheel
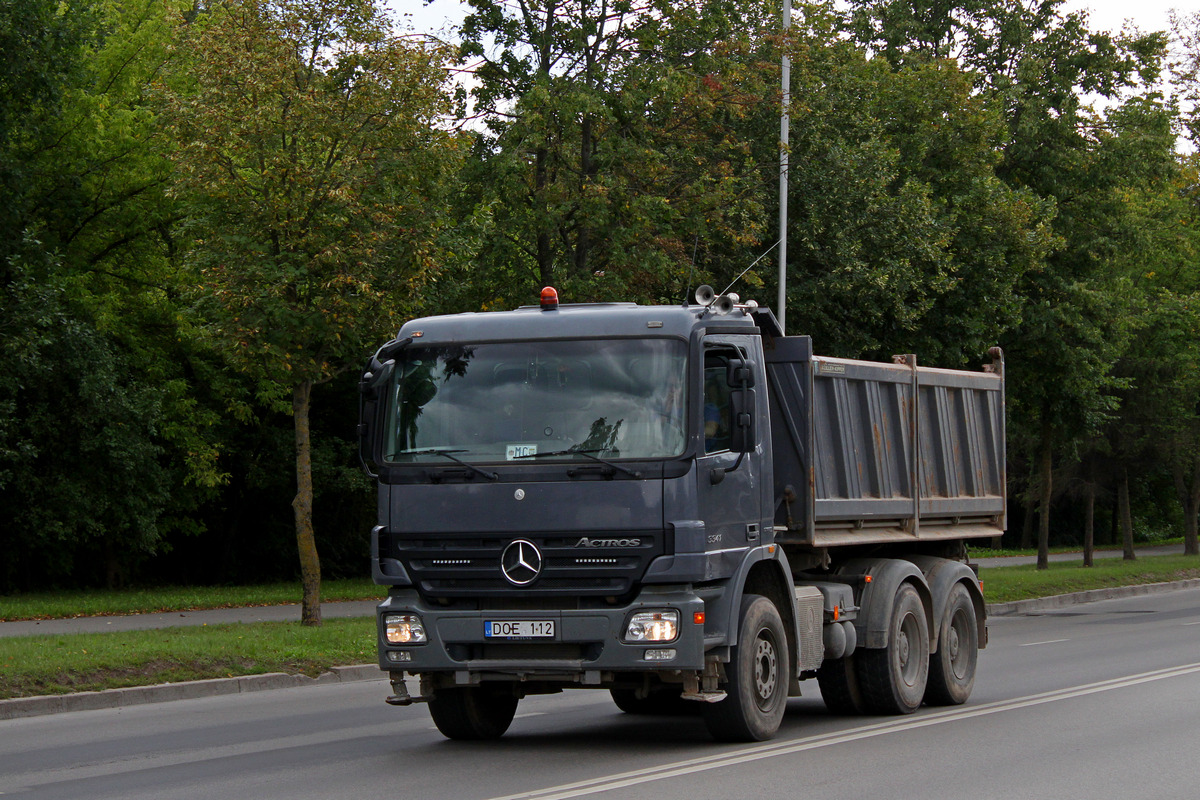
<point>839,686</point>
<point>473,712</point>
<point>893,679</point>
<point>758,675</point>
<point>952,667</point>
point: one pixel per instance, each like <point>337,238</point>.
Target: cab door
<point>729,482</point>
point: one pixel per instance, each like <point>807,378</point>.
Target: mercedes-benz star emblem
<point>521,562</point>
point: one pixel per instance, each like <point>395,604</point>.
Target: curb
<point>1040,604</point>
<point>188,690</point>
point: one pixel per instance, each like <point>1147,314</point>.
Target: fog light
<point>403,629</point>
<point>667,654</point>
<point>399,656</point>
<point>653,626</point>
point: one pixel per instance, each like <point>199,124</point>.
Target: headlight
<point>653,626</point>
<point>403,629</point>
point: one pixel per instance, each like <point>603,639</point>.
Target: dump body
<point>846,469</point>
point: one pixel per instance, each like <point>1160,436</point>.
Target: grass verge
<point>1006,584</point>
<point>58,605</point>
<point>39,665</point>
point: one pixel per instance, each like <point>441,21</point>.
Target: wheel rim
<point>766,669</point>
<point>907,667</point>
<point>956,636</point>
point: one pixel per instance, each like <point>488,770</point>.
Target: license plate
<point>519,629</point>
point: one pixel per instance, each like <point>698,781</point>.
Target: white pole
<point>783,172</point>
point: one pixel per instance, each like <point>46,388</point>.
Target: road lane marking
<point>1048,641</point>
<point>772,749</point>
<point>1190,623</point>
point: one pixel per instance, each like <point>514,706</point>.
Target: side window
<point>716,400</point>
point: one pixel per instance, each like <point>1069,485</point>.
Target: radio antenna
<point>747,269</point>
<point>691,271</point>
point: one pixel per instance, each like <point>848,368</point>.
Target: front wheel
<point>893,678</point>
<point>473,712</point>
<point>952,667</point>
<point>758,675</point>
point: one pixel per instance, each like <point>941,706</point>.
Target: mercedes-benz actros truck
<point>678,505</point>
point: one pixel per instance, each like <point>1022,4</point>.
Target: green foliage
<point>620,151</point>
<point>902,238</point>
<point>80,475</point>
<point>305,147</point>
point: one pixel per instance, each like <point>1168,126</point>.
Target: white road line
<point>1190,623</point>
<point>1048,641</point>
<point>770,750</point>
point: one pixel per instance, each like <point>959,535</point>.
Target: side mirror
<point>743,436</point>
<point>371,391</point>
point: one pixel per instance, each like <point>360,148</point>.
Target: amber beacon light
<point>549,298</point>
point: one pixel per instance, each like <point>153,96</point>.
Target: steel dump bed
<point>869,453</point>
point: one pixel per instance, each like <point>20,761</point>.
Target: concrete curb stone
<point>1041,604</point>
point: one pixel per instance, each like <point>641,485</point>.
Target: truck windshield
<point>621,398</point>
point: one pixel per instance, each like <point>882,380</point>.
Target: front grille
<point>468,565</point>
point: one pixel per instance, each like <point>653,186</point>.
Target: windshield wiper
<point>433,451</point>
<point>585,454</point>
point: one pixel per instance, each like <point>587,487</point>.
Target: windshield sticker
<point>519,451</point>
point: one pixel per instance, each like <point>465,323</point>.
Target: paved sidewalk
<point>172,619</point>
<point>1010,561</point>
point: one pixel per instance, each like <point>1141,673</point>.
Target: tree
<point>309,163</point>
<point>1038,66</point>
<point>901,237</point>
<point>103,450</point>
<point>618,152</point>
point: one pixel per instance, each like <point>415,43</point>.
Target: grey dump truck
<point>678,505</point>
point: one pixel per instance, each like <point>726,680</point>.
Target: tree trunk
<point>306,542</point>
<point>1126,517</point>
<point>1089,522</point>
<point>1046,489</point>
<point>545,253</point>
<point>1189,498</point>
<point>1026,540</point>
<point>1114,518</point>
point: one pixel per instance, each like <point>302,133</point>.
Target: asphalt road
<point>1099,701</point>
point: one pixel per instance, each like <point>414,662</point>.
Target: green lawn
<point>36,665</point>
<point>1005,584</point>
<point>55,605</point>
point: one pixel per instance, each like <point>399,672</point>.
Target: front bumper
<point>587,642</point>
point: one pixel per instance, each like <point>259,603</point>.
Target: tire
<point>473,712</point>
<point>893,679</point>
<point>839,686</point>
<point>662,701</point>
<point>758,674</point>
<point>952,667</point>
